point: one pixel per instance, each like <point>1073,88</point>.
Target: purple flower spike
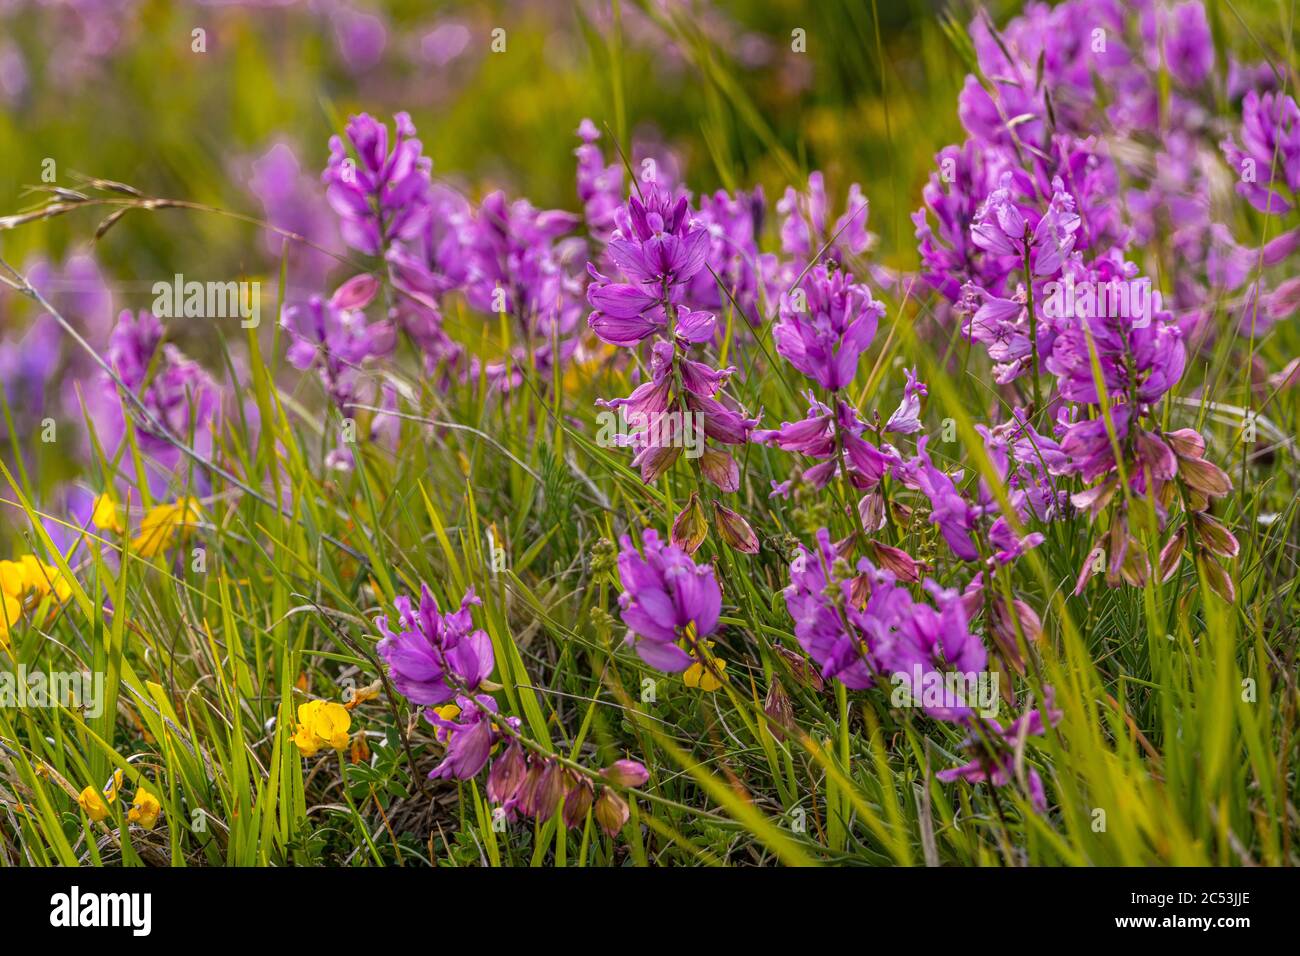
<point>381,195</point>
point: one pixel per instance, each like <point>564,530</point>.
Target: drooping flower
<point>626,773</point>
<point>611,811</point>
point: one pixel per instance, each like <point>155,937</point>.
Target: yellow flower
<point>697,675</point>
<point>144,809</point>
<point>161,524</point>
<point>447,712</point>
<point>43,579</point>
<point>105,515</point>
<point>29,579</point>
<point>93,804</point>
<point>13,578</point>
<point>10,611</point>
<point>321,723</point>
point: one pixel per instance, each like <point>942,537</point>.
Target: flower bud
<point>721,469</point>
<point>1172,553</point>
<point>802,668</point>
<point>357,293</point>
<point>897,561</point>
<point>612,811</point>
<point>871,508</point>
<point>507,774</point>
<point>1219,580</point>
<point>626,773</point>
<point>735,530</point>
<point>577,803</point>
<point>690,528</point>
<point>1186,443</point>
<point>1204,476</point>
<point>1215,536</point>
<point>777,707</point>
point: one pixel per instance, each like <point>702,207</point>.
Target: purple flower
<point>432,657</point>
<point>381,195</point>
<point>954,195</point>
<point>664,594</point>
<point>469,731</point>
<point>826,325</point>
<point>816,436</point>
<point>997,752</point>
<point>600,187</point>
<point>1269,158</point>
<point>804,221</point>
<point>180,397</point>
<point>948,509</point>
<point>1189,48</point>
<point>1004,227</point>
<point>360,37</point>
<point>657,242</point>
<point>906,419</point>
<point>928,642</point>
<point>826,620</point>
<point>660,247</point>
<point>334,336</point>
<point>292,201</point>
<point>735,265</point>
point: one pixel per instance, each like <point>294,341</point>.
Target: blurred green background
<point>115,90</point>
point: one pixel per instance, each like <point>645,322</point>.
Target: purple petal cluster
<point>377,193</point>
<point>433,657</point>
<point>668,601</point>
